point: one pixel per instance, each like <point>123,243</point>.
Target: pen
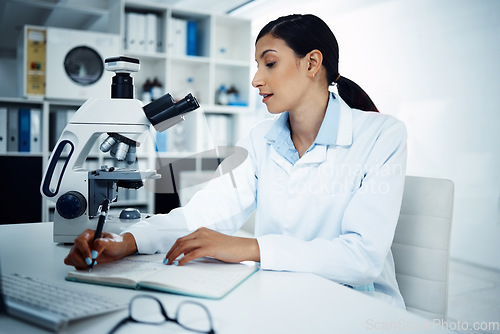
<point>98,231</point>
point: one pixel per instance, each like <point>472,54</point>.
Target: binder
<point>129,32</point>
<point>179,37</point>
<point>140,29</point>
<point>57,122</point>
<point>36,131</point>
<point>192,38</point>
<point>135,32</point>
<point>3,130</point>
<point>220,129</point>
<point>24,130</point>
<point>13,130</point>
<point>151,33</point>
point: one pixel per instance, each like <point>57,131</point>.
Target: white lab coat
<point>333,213</point>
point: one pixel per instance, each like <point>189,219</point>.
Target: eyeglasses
<point>149,310</point>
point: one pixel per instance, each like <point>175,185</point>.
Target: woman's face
<point>281,76</point>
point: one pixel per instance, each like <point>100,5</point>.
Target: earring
<point>314,75</point>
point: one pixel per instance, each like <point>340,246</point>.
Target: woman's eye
<point>270,64</point>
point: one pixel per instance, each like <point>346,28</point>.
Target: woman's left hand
<point>205,242</point>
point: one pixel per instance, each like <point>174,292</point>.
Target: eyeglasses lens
<point>193,317</point>
<point>147,310</point>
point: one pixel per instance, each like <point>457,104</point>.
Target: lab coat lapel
<point>315,156</point>
<point>318,154</point>
<point>344,137</point>
<point>280,160</point>
<point>344,134</point>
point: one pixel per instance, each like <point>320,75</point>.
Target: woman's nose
<point>257,81</point>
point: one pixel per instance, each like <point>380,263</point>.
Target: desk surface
<point>268,302</point>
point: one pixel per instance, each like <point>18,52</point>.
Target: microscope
<point>79,193</point>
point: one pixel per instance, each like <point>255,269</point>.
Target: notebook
<point>48,305</point>
<point>205,277</point>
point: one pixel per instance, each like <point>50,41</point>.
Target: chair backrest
<point>421,245</point>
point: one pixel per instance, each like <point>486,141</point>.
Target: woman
<point>325,177</point>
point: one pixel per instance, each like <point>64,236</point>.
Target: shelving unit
<point>26,194</point>
<point>223,58</point>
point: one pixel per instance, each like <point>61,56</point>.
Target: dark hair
<point>304,33</point>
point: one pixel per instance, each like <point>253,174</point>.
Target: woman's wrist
<point>130,245</point>
<point>253,250</point>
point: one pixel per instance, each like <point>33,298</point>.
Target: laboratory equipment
<point>78,192</point>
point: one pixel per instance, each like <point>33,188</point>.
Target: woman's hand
<point>206,242</point>
<point>109,247</point>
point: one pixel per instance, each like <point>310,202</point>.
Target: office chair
<point>421,245</point>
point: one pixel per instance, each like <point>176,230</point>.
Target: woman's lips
<point>266,97</point>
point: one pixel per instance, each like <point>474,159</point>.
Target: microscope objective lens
<point>121,151</point>
<point>107,144</point>
<point>112,152</point>
<point>131,155</point>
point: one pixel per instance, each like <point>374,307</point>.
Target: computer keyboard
<point>50,306</point>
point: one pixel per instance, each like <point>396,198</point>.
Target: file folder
<point>3,130</point>
<point>192,38</point>
<point>135,32</point>
<point>179,37</point>
<point>24,130</point>
<point>140,30</point>
<point>13,130</point>
<point>35,130</point>
<point>151,33</point>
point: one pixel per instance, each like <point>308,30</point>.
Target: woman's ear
<point>315,60</point>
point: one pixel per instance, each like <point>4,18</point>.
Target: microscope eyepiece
<point>187,104</point>
<point>161,112</point>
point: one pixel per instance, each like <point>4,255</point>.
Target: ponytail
<point>353,95</point>
<point>304,33</point>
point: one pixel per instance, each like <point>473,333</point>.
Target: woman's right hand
<point>109,247</point>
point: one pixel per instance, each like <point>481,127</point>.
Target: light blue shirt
<point>280,136</point>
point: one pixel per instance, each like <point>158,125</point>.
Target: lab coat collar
<point>327,132</point>
<point>315,156</point>
<point>345,129</point>
<point>329,127</point>
<point>279,126</point>
<point>318,153</point>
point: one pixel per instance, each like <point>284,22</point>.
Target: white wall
<point>435,65</point>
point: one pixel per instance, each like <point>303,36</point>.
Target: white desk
<point>268,302</point>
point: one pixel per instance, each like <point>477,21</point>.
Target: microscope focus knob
<point>71,205</point>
